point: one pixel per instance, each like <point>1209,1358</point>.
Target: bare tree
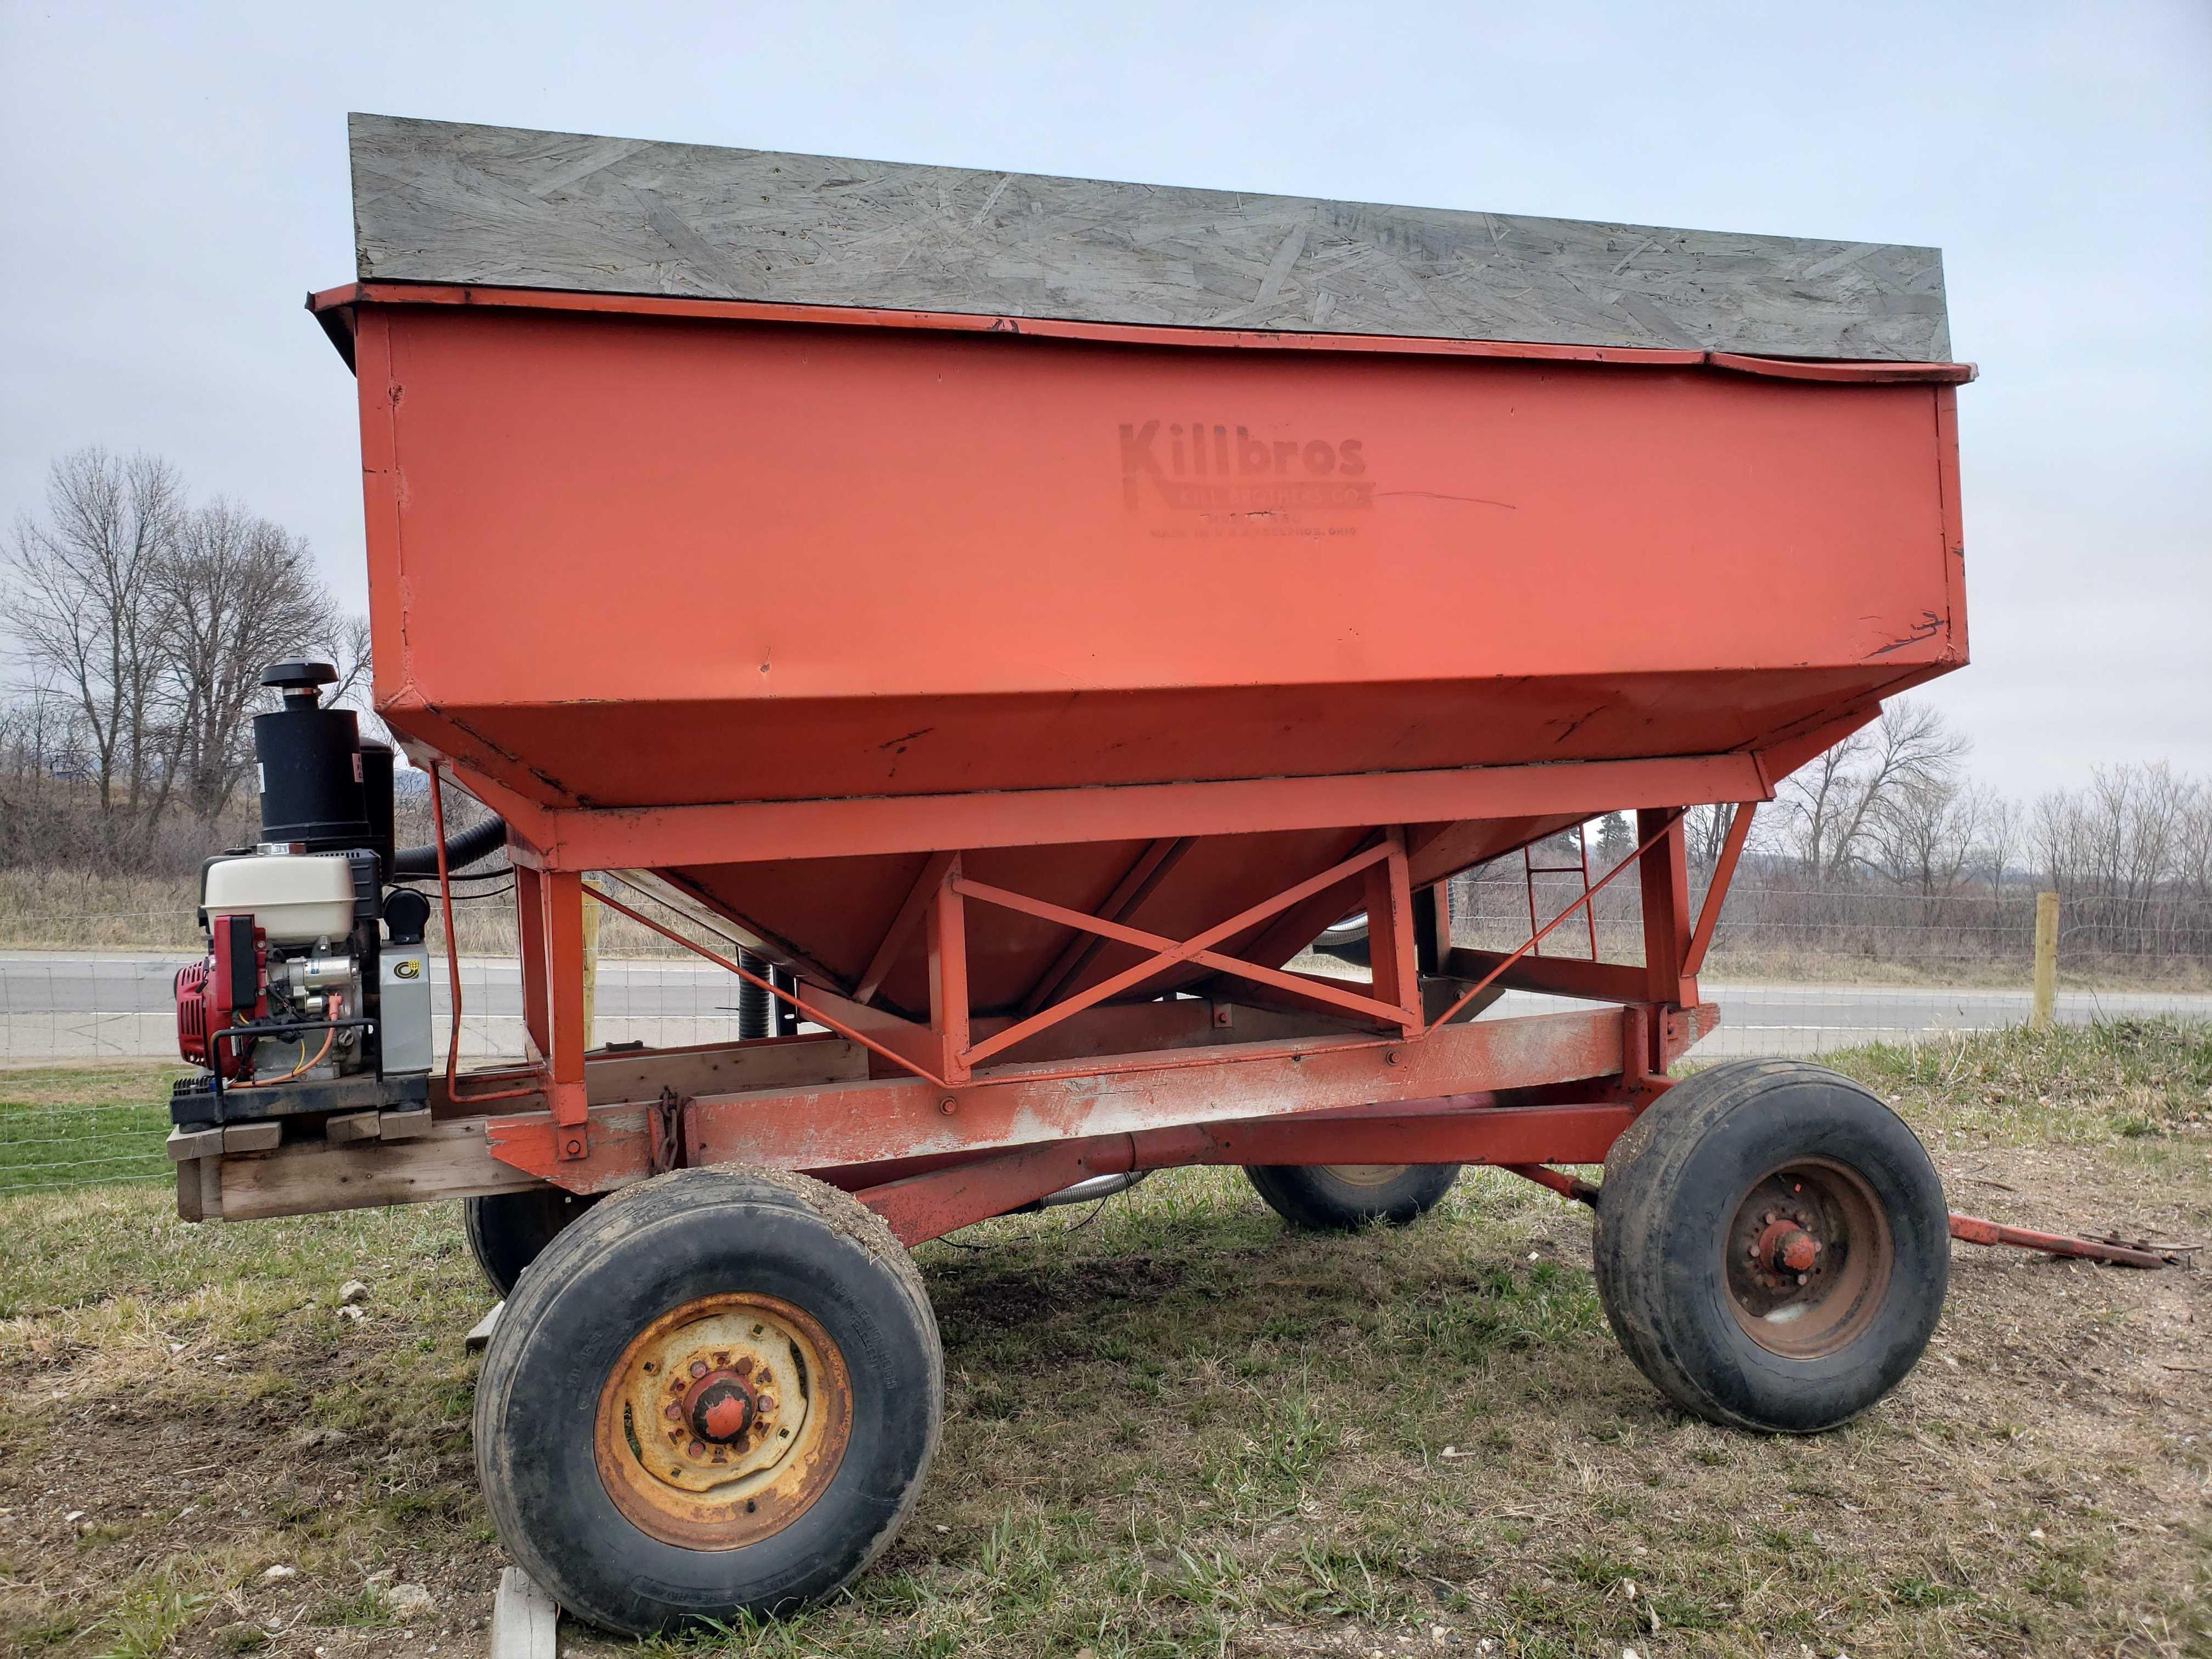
<point>84,586</point>
<point>1707,829</point>
<point>1921,832</point>
<point>41,760</point>
<point>2004,835</point>
<point>1833,804</point>
<point>238,592</point>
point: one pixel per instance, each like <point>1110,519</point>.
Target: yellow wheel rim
<point>723,1421</point>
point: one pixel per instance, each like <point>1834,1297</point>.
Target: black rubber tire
<point>655,1247</point>
<point>1318,1197</point>
<point>1673,1183</point>
<point>507,1231</point>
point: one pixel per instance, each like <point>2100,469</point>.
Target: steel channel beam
<point>823,1127</point>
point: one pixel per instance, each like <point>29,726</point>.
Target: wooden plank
<point>262,1137</point>
<point>525,1619</point>
<point>438,202</point>
<point>184,1145</point>
<point>311,1176</point>
<point>199,1189</point>
<point>405,1126</point>
<point>719,1068</point>
<point>344,1127</point>
<point>708,1068</point>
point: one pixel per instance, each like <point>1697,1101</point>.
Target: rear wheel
<point>1340,1197</point>
<point>717,1393</point>
<point>507,1231</point>
<point>1772,1246</point>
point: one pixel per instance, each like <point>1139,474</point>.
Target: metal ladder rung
<point>1534,870</point>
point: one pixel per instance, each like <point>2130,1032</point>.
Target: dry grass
<point>1178,1429</point>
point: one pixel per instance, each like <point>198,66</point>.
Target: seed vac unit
<point>1010,619</point>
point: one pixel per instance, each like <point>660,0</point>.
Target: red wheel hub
<point>720,1408</point>
<point>1788,1248</point>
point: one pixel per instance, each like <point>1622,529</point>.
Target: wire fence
<point>88,1037</point>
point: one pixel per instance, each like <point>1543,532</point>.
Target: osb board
<point>437,202</point>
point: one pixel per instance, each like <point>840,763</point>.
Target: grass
<point>72,1125</point>
<point>1175,1428</point>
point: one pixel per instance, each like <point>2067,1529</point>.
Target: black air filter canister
<point>376,793</point>
<point>310,757</point>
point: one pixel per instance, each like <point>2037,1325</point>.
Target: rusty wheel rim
<point>723,1421</point>
<point>1809,1255</point>
<point>1367,1175</point>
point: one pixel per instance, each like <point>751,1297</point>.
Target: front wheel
<point>1344,1197</point>
<point>1772,1246</point>
<point>716,1394</point>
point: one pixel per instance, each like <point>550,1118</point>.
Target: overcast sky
<point>172,178</point>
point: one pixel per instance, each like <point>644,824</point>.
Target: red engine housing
<point>194,1016</point>
<point>213,992</point>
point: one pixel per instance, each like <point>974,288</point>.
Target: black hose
<point>753,1016</point>
<point>470,846</point>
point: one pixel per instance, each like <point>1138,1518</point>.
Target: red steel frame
<point>966,1115</point>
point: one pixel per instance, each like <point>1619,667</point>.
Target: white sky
<point>173,180</point>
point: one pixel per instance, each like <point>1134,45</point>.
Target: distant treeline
<point>135,625</point>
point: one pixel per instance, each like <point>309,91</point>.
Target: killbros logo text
<point>1223,469</point>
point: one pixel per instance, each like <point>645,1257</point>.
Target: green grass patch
<point>2079,1085</point>
<point>62,1127</point>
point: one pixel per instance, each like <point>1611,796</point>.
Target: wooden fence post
<point>2046,960</point>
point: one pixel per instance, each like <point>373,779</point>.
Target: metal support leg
<point>948,975</point>
<point>1390,934</point>
<point>562,894</point>
<point>1663,871</point>
<point>529,924</point>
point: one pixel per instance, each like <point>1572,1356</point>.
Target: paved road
<point>63,1005</point>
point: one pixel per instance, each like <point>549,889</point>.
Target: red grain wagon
<point>1018,616</point>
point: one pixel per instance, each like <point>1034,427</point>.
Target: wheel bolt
<point>696,1449</point>
<point>698,1368</point>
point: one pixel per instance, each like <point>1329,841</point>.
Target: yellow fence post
<point>592,913</point>
<point>2047,959</point>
